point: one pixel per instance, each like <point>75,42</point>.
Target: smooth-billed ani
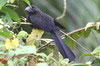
<point>45,22</point>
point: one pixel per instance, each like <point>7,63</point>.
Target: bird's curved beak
<point>27,8</point>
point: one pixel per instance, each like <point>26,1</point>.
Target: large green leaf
<point>25,50</point>
<point>76,36</point>
<point>27,2</point>
<point>2,3</point>
<point>12,13</point>
<point>96,50</point>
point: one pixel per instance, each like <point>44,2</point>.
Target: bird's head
<point>32,9</point>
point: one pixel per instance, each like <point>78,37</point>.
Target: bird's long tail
<point>63,48</point>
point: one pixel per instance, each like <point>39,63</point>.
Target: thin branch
<point>77,30</point>
<point>44,45</point>
<point>75,41</point>
<point>24,23</point>
<point>64,11</point>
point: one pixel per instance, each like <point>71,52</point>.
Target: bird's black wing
<point>45,23</point>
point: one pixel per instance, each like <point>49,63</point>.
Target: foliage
<point>14,51</point>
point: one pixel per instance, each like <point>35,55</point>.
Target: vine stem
<point>64,11</point>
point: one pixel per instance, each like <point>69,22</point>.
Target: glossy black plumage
<point>45,22</point>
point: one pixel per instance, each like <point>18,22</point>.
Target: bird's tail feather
<point>63,48</point>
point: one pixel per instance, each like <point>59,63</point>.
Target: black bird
<point>45,22</point>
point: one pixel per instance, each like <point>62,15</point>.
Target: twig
<point>44,45</point>
<point>77,30</point>
<point>64,11</point>
<point>24,23</point>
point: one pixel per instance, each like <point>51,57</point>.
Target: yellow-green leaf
<point>11,43</point>
<point>96,50</point>
<point>89,24</point>
<point>10,1</point>
<point>22,34</point>
<point>98,25</point>
<point>34,36</point>
<point>27,2</point>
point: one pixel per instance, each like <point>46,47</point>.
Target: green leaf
<point>1,64</point>
<point>2,53</point>
<point>96,52</point>
<point>12,14</point>
<point>5,32</point>
<point>96,62</point>
<point>41,54</point>
<point>80,64</point>
<point>25,50</point>
<point>2,46</point>
<point>41,60</point>
<point>34,37</point>
<point>76,36</point>
<point>42,64</point>
<point>23,60</point>
<point>22,51</point>
<point>10,54</point>
<point>22,34</point>
<point>87,32</point>
<point>27,2</point>
<point>12,62</point>
<point>89,24</point>
<point>98,25</point>
<point>1,26</point>
<point>10,1</point>
<point>2,3</point>
<point>97,20</point>
<point>70,43</point>
<point>85,55</point>
<point>49,56</point>
<point>64,62</point>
